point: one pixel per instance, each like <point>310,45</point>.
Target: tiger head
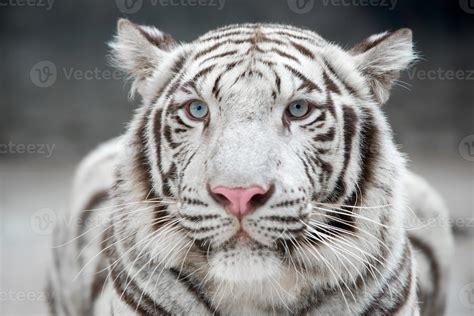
<point>261,144</point>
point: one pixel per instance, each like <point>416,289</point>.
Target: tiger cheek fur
<point>228,200</point>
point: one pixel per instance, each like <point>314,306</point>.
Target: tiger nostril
<point>220,198</point>
<point>260,199</point>
<point>241,201</point>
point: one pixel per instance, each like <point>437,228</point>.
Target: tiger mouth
<point>244,239</point>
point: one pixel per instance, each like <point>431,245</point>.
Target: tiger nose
<point>241,201</point>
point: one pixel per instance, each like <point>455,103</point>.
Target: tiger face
<point>256,132</point>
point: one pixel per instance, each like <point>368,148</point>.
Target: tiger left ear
<point>381,57</point>
<point>138,50</point>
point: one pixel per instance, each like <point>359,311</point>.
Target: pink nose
<point>240,201</point>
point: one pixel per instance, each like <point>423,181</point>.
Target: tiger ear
<point>381,57</point>
<point>137,50</point>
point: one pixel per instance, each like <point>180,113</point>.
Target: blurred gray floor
<point>30,190</point>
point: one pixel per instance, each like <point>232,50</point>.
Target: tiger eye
<point>298,109</point>
<point>197,110</point>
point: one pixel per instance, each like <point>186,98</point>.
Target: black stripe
<point>330,84</point>
<point>161,210</point>
<point>147,305</point>
<point>306,83</point>
<point>303,50</point>
<point>429,254</point>
<point>306,171</point>
<point>397,299</point>
<point>228,53</point>
<point>294,36</point>
<point>168,137</point>
<point>224,35</point>
<point>344,219</point>
<point>326,137</point>
<point>121,279</point>
<point>334,73</point>
<point>175,69</point>
<point>194,288</point>
<point>215,87</point>
<point>369,151</point>
<point>202,73</point>
<point>317,119</point>
<point>281,53</point>
<point>86,213</point>
<point>350,121</point>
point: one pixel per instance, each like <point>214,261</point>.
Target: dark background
<point>431,110</point>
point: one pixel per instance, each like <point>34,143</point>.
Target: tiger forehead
<point>253,62</point>
<point>262,38</point>
<point>258,32</point>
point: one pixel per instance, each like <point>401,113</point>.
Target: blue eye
<point>298,109</point>
<point>197,110</point>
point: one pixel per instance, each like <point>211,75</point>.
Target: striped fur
<point>333,238</point>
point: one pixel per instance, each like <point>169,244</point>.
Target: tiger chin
<point>259,176</point>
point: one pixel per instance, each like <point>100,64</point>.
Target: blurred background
<point>59,99</point>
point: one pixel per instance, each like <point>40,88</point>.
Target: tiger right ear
<point>138,50</point>
<point>381,57</point>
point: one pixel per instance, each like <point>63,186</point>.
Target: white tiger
<point>258,177</point>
